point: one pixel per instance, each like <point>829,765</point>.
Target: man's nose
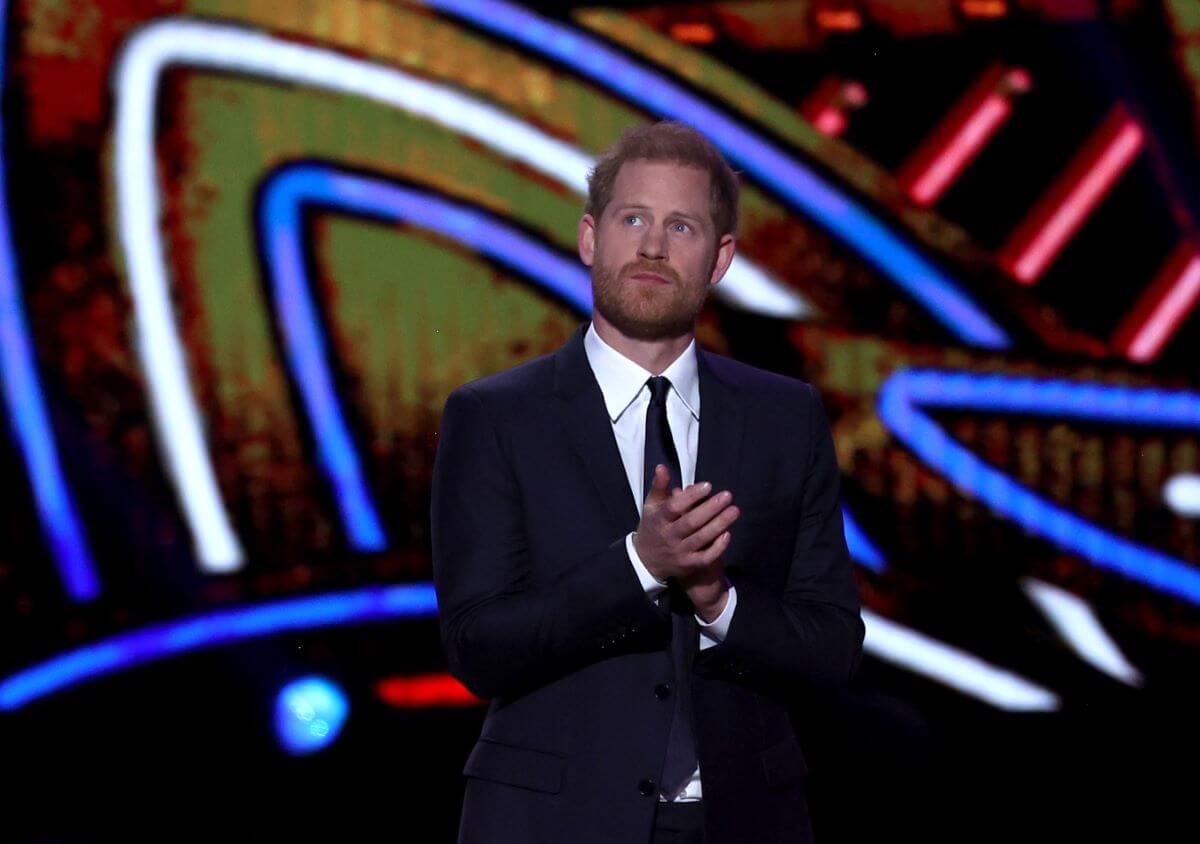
<point>654,244</point>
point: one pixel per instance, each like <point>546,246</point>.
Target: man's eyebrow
<point>635,206</point>
<point>686,215</point>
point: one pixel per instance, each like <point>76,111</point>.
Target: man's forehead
<point>684,169</point>
<point>636,178</point>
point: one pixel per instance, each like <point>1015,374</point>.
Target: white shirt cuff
<point>652,586</point>
<point>714,633</point>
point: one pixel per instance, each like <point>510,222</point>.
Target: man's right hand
<point>684,533</point>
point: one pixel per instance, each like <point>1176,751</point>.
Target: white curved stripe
<point>751,288</point>
<point>1182,494</point>
<point>145,56</point>
<point>953,667</point>
<point>1078,626</point>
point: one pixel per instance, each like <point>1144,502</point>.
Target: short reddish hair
<point>670,141</point>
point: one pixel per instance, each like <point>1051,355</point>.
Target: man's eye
<point>632,219</point>
<point>682,228</point>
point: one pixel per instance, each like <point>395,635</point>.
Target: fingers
<point>702,513</point>
<point>702,559</point>
<point>687,529</point>
<point>710,530</point>
<point>685,499</point>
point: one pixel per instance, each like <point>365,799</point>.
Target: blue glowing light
<point>286,193</point>
<point>906,393</point>
<point>127,650</point>
<point>862,549</point>
<point>309,714</point>
<point>797,184</point>
<point>27,407</point>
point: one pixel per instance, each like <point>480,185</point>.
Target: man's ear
<point>586,239</point>
<point>724,257</point>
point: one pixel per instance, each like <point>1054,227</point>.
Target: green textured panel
<point>407,36</point>
<point>425,317</point>
<point>1186,14</point>
<point>251,128</point>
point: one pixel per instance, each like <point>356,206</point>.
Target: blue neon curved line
<point>905,394</point>
<point>862,549</point>
<point>1115,404</point>
<point>27,406</point>
<point>138,647</point>
<point>799,185</point>
<point>285,193</point>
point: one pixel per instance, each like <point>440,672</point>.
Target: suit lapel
<point>590,432</point>
<point>721,424</point>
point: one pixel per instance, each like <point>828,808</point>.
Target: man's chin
<point>650,329</point>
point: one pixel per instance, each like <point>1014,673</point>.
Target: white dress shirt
<point>626,396</point>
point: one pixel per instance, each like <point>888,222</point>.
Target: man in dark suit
<point>639,634</point>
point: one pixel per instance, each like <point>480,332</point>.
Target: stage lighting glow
<point>829,105</point>
<point>961,149</point>
<point>1065,207</point>
<point>839,20</point>
<point>1182,494</point>
<point>1163,307</point>
<point>962,133</point>
<point>984,8</point>
<point>800,186</point>
<point>862,549</point>
<point>219,46</point>
<point>906,393</point>
<point>830,121</point>
<point>424,691</point>
<point>27,412</point>
<point>1078,626</point>
<point>223,627</point>
<point>953,667</point>
<point>309,714</point>
<point>885,639</point>
<point>693,32</point>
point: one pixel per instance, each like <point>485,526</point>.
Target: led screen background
<point>249,248</point>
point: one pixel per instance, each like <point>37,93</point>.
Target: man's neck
<point>652,355</point>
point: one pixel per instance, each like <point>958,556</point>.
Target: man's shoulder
<point>756,383</point>
<point>532,378</point>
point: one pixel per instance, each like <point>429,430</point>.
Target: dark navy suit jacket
<point>542,612</point>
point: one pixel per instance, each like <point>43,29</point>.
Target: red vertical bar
<point>1060,213</point>
<point>962,134</point>
<point>1163,307</point>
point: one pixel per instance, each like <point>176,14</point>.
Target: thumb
<point>659,484</point>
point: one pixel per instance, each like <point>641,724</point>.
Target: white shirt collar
<point>621,380</point>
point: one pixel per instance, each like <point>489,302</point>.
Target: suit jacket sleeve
<point>503,631</point>
<point>810,634</point>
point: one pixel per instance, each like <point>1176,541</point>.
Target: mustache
<point>635,267</point>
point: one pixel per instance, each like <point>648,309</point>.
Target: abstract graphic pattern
<point>284,237</point>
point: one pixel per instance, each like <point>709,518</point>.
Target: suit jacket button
<point>647,788</point>
<point>662,691</point>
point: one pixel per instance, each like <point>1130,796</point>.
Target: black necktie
<point>680,762</point>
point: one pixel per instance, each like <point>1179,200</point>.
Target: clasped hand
<point>682,534</point>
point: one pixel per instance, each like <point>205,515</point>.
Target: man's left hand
<point>708,589</point>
